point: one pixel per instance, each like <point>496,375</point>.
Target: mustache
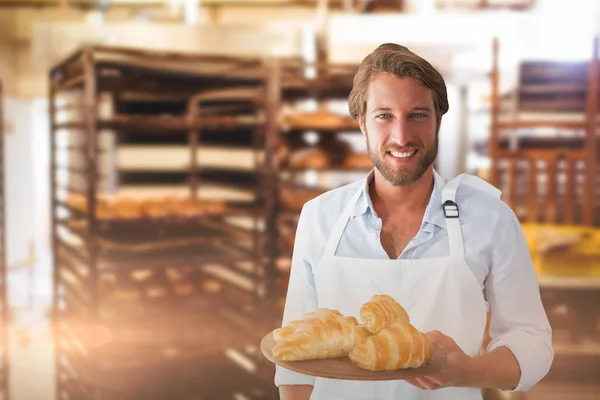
<point>406,147</point>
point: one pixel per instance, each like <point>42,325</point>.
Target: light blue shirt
<point>495,250</point>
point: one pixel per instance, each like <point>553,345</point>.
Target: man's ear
<point>361,123</point>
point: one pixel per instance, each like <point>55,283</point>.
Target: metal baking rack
<point>130,282</point>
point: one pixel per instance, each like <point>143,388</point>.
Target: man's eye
<point>419,115</point>
<point>384,116</point>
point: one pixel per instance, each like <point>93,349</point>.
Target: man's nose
<point>400,134</point>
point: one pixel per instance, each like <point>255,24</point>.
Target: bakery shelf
<point>232,277</point>
<point>161,125</point>
<point>71,189</point>
<point>565,143</point>
<point>293,198</point>
<point>319,121</point>
<point>66,249</point>
<point>146,295</point>
<point>77,291</point>
<point>295,131</point>
<point>149,72</point>
<point>236,181</point>
<point>257,320</point>
<point>330,81</point>
<point>149,125</point>
<point>127,244</point>
<point>146,235</point>
<point>181,85</point>
<point>574,125</point>
<point>147,228</point>
<point>246,164</point>
<point>73,210</point>
<point>73,268</point>
<point>320,89</point>
<point>145,124</point>
<point>240,139</point>
<point>231,178</point>
<point>192,254</point>
<point>178,158</point>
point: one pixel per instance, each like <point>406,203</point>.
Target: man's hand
<point>456,372</point>
<point>497,369</point>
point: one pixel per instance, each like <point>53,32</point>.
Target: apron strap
<point>340,226</point>
<point>452,212</point>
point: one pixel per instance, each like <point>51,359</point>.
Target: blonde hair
<point>399,61</point>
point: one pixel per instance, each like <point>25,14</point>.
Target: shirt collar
<point>434,213</point>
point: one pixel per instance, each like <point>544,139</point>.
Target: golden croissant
<point>330,335</point>
<point>399,346</point>
<point>380,312</point>
<point>280,333</point>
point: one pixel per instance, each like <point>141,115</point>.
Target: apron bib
<point>438,293</point>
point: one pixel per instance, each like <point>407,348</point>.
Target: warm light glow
<point>99,335</point>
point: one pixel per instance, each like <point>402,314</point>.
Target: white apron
<point>438,293</point>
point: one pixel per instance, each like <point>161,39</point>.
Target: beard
<point>408,175</point>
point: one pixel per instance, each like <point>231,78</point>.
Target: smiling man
<point>449,252</point>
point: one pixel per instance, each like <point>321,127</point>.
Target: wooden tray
<point>344,368</point>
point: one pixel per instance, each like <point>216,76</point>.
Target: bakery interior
<point>156,155</point>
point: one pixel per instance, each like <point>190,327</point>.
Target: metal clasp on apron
<point>450,209</point>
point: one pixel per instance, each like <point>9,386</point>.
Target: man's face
<point>401,128</point>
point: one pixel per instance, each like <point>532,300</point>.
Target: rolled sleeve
<point>301,295</point>
<point>533,355</point>
<point>518,320</point>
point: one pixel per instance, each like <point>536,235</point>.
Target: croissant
<point>380,312</point>
<point>280,333</point>
<point>329,336</point>
<point>399,346</point>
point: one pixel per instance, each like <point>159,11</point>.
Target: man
<point>447,251</point>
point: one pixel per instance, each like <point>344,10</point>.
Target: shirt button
<point>375,235</point>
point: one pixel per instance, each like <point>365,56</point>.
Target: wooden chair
<point>549,179</point>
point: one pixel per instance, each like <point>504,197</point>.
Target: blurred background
<point>156,155</point>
